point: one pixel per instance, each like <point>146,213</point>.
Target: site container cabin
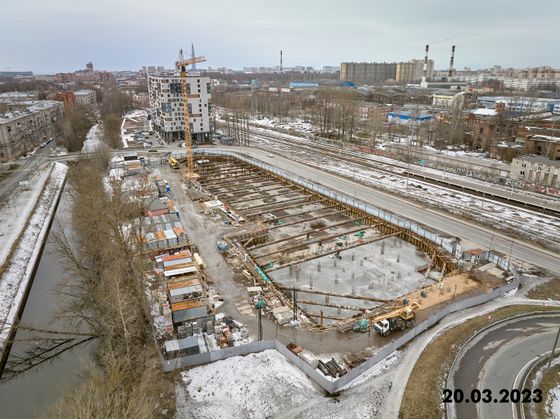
<point>184,290</point>
<point>182,347</point>
<point>188,311</point>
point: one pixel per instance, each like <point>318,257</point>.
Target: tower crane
<point>182,67</point>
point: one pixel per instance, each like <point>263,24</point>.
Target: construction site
<point>318,263</point>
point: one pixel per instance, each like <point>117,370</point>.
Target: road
<point>437,220</point>
<point>493,360</point>
<point>472,235</point>
<point>26,168</point>
<point>461,183</point>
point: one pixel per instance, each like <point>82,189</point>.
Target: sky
<point>63,35</point>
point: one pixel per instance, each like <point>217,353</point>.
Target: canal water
<point>29,394</point>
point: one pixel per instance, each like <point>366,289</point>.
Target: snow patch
<point>15,279</point>
<point>254,386</point>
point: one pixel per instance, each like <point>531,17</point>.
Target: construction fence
<point>334,385</point>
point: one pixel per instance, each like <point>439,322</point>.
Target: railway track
<point>398,169</point>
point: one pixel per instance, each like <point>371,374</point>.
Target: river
<point>28,395</point>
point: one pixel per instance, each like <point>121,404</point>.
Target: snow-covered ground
<point>93,140</point>
<point>16,212</point>
<point>16,277</point>
<point>555,405</point>
<point>133,118</point>
<point>267,385</point>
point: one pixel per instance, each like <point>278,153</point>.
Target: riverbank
<point>16,212</point>
<point>17,276</point>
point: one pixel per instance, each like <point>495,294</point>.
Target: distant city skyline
<point>62,35</point>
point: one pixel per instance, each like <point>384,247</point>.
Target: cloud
<point>62,35</point>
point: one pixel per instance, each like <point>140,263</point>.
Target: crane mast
<point>182,67</point>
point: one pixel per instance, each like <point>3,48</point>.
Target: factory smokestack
<point>451,61</point>
<point>192,56</point>
<point>280,61</point>
<point>425,73</point>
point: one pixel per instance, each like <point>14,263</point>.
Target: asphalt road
<point>494,358</point>
<point>552,203</point>
<point>450,225</point>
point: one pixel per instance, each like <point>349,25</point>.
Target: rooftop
<point>32,106</point>
<point>539,159</point>
<point>484,112</point>
<point>540,137</point>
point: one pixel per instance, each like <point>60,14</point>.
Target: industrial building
<point>536,169</point>
<point>166,106</point>
<point>24,129</point>
<point>406,118</point>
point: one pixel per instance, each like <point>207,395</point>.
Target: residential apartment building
<point>413,71</point>
<point>85,97</point>
<point>18,97</point>
<point>166,104</point>
<point>378,73</point>
<point>23,130</point>
<point>536,169</point>
<point>368,73</point>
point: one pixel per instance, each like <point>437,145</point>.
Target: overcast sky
<point>48,36</point>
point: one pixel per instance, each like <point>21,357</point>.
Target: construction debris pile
<point>331,368</point>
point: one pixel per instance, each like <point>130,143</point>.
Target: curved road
<point>494,359</point>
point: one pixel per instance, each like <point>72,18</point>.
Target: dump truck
<point>400,319</point>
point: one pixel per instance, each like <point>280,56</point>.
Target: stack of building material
<point>309,358</point>
<point>133,167</point>
<point>282,314</point>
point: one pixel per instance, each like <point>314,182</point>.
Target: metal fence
<point>211,356</point>
<point>335,385</point>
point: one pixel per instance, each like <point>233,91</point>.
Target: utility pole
<point>553,348</point>
<point>509,257</point>
<point>294,302</point>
